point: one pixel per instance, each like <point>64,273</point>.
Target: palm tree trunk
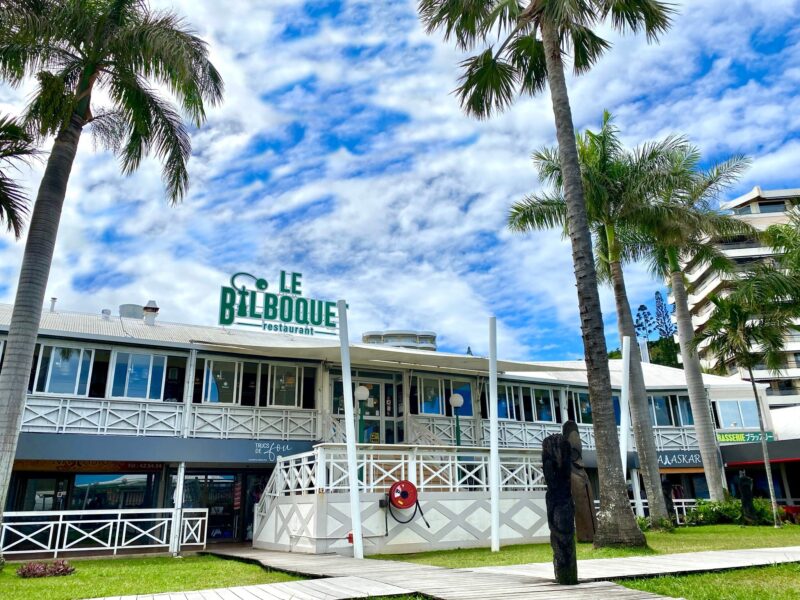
<point>767,467</point>
<point>31,289</point>
<point>641,416</point>
<point>701,407</point>
<point>615,521</point>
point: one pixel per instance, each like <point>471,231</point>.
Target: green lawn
<point>780,582</point>
<point>127,576</point>
<point>683,539</point>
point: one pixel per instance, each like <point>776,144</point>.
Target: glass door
<point>379,417</point>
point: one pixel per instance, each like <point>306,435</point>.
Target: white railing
<point>524,434</point>
<point>104,417</point>
<point>675,438</point>
<point>441,431</point>
<point>105,531</point>
<point>431,468</point>
<point>681,506</point>
<point>44,414</point>
<point>247,422</point>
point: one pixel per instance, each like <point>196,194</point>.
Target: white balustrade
<point>99,531</point>
<point>104,417</point>
<point>248,422</point>
<point>434,468</point>
<point>45,414</point>
<point>675,438</point>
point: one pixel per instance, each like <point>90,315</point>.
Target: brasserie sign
<point>251,301</point>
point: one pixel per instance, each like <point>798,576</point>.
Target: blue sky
<point>341,152</point>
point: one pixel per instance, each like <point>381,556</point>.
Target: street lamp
<point>361,395</point>
<point>457,401</point>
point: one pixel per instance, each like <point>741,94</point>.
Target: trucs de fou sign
<point>251,301</point>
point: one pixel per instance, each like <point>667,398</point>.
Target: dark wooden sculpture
<point>556,458</point>
<point>582,494</point>
<point>666,490</point>
<point>748,510</point>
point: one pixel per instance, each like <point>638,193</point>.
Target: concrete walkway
<point>658,564</point>
<point>340,578</point>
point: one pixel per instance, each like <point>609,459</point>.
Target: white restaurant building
<point>125,415</point>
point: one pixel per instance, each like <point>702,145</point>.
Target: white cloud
<point>392,197</point>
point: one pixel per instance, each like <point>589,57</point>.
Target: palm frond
<point>526,54</point>
<point>16,146</point>
<point>487,85</point>
<point>542,211</point>
<point>461,20</point>
<point>633,16</point>
<point>587,47</point>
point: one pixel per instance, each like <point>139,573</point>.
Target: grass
<point>779,582</point>
<point>94,578</point>
<point>683,539</point>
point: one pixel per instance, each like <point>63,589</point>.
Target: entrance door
<point>380,422</point>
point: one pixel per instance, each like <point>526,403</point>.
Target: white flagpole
<point>350,433</point>
<point>494,450</point>
<point>624,400</point>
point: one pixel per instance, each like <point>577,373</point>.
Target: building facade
<point>132,413</point>
<point>759,208</point>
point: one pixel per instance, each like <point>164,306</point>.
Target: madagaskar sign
<point>252,301</point>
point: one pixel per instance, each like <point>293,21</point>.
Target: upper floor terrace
<point>193,382</point>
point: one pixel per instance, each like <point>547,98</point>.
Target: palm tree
<point>15,145</point>
<point>673,245</point>
<point>619,188</point>
<point>749,328</point>
<point>533,40</point>
<point>75,48</point>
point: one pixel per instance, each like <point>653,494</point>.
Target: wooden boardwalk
<point>436,582</point>
<point>340,577</point>
<point>658,564</point>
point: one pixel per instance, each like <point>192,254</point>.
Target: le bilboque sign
<point>250,301</point>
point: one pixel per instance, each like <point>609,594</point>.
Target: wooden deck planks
<point>342,578</point>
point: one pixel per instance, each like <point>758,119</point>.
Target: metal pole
<point>177,515</point>
<point>625,415</point>
<point>494,449</point>
<point>350,434</point>
<point>458,427</point>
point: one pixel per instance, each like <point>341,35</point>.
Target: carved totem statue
<point>585,517</point>
<point>560,509</point>
<point>746,488</point>
<point>666,490</point>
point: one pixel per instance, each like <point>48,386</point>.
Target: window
<point>464,388</point>
<point>63,370</point>
<point>772,207</point>
<point>226,381</point>
<point>661,413</point>
<point>737,414</point>
<point>139,375</point>
<point>685,406</point>
<point>743,210</point>
<point>544,405</point>
<point>431,401</point>
<point>580,409</point>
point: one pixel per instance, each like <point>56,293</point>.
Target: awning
<point>741,455</point>
<point>376,357</point>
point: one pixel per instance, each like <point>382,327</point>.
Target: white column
<point>350,433</point>
<point>637,493</point>
<point>494,449</point>
<point>177,515</point>
<point>188,393</point>
<point>624,399</point>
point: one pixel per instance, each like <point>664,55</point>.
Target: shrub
<point>647,523</point>
<point>729,511</point>
<point>57,568</point>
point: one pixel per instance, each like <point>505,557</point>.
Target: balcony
<point>44,414</point>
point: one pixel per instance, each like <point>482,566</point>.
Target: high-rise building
<point>760,208</point>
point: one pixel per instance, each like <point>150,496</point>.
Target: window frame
<point>115,352</point>
<point>741,414</point>
<point>59,344</point>
<point>299,369</point>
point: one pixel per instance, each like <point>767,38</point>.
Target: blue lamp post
<point>457,401</point>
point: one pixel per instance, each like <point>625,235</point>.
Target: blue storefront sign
<point>54,446</point>
<point>675,459</point>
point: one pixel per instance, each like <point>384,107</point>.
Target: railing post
<point>637,493</point>
<point>116,534</point>
<point>320,470</point>
<point>412,466</point>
